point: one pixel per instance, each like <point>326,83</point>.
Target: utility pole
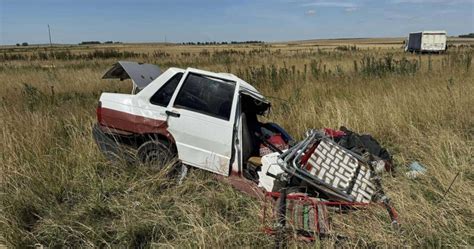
<point>49,32</point>
<point>50,52</point>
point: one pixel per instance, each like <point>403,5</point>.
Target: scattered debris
<point>183,173</point>
<point>325,173</point>
<point>363,144</point>
<point>450,185</point>
<point>210,121</point>
<point>415,170</point>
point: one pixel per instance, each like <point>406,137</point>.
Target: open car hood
<point>141,74</point>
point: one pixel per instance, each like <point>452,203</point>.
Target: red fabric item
<point>277,140</point>
<point>334,133</point>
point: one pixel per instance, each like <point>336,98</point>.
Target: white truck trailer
<point>427,41</point>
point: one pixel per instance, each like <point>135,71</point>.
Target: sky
<point>73,21</point>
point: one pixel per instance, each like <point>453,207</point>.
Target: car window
<point>163,96</point>
<point>206,95</point>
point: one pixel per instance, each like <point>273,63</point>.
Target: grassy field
<point>58,190</point>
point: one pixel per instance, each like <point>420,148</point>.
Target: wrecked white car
<point>206,119</point>
<point>211,121</point>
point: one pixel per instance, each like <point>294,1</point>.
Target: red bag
<point>275,139</point>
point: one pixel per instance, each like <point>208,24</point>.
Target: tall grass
<point>58,190</point>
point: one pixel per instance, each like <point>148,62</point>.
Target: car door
<point>201,118</point>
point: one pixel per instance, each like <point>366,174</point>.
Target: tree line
<point>222,43</point>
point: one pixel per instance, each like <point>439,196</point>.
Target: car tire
<point>157,155</point>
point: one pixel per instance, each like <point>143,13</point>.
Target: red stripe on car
<point>133,123</point>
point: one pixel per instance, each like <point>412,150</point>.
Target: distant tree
<point>18,44</point>
<point>108,42</point>
<point>89,42</point>
<point>24,44</point>
<point>470,35</point>
<point>222,42</point>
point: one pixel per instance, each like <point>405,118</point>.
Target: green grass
<point>58,190</point>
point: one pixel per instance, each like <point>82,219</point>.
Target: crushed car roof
<point>246,88</point>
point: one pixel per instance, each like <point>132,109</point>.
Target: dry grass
<point>58,190</point>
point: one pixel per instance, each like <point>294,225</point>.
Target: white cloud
<point>310,13</point>
<point>432,1</point>
<point>335,4</point>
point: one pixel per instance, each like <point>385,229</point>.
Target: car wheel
<point>157,155</point>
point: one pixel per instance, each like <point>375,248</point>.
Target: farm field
<point>59,190</point>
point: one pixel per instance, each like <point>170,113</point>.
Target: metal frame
<point>304,199</point>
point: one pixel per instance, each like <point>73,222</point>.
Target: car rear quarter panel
<point>128,113</point>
